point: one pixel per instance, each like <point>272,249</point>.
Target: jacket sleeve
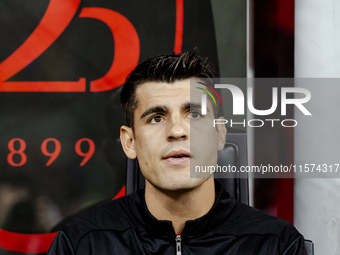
<point>293,243</point>
<point>61,245</point>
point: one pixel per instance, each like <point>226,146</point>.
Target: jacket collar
<point>217,215</point>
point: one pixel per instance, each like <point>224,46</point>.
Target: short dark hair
<point>163,68</point>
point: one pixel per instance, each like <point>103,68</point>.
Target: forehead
<point>159,87</point>
<point>163,92</point>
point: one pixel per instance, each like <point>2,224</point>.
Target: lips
<point>177,157</point>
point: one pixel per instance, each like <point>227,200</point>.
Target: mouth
<point>177,157</point>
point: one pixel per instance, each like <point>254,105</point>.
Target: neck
<point>180,206</point>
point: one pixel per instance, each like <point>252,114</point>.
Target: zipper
<point>178,245</point>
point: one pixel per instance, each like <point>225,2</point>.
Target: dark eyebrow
<point>163,108</point>
<point>192,105</point>
<point>158,108</point>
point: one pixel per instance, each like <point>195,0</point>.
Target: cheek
<point>207,139</point>
<point>148,144</point>
<point>144,152</point>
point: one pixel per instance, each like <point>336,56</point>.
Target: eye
<point>156,119</point>
<point>195,115</point>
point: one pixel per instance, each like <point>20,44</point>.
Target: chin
<point>182,184</point>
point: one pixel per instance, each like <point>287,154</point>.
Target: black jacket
<point>125,226</point>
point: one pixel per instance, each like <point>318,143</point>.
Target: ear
<point>127,140</point>
<point>221,132</point>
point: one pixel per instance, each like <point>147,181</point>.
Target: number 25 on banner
<point>57,17</point>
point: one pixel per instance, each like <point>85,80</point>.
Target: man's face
<point>163,124</point>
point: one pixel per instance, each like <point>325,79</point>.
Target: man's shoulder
<point>246,220</point>
<point>113,216</point>
<point>256,228</point>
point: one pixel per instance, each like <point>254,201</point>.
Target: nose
<point>178,128</point>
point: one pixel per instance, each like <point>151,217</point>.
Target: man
<point>175,214</point>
